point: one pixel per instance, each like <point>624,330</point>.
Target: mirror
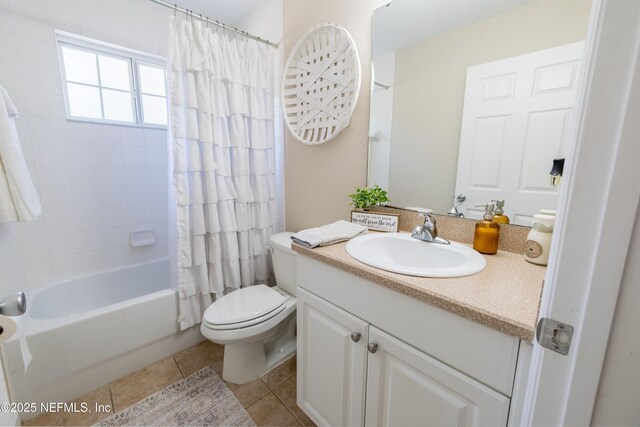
<point>473,97</point>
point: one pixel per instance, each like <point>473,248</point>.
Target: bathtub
<point>88,331</point>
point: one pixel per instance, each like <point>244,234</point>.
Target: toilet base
<point>246,361</point>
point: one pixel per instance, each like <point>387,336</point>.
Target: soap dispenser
<point>485,239</point>
<point>499,215</point>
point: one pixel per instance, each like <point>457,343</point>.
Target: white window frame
<point>134,57</point>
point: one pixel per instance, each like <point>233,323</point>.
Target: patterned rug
<point>201,399</point>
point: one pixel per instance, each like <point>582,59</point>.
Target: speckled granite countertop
<point>504,296</point>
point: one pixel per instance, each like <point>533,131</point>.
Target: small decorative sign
<point>375,221</point>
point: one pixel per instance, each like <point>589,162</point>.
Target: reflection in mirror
<point>478,101</point>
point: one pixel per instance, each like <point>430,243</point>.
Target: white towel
<point>326,235</point>
<point>18,198</point>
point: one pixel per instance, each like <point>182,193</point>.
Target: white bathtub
<point>88,331</point>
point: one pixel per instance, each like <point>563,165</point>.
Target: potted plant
<point>366,197</point>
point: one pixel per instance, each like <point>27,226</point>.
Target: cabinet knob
<point>355,336</point>
<point>373,347</point>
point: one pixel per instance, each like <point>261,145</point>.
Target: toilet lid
<point>243,305</point>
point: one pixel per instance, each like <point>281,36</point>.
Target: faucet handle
<point>429,221</point>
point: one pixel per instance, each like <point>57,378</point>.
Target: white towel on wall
<point>18,198</point>
<point>336,232</point>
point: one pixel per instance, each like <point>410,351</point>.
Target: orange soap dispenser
<point>485,239</point>
<point>499,215</point>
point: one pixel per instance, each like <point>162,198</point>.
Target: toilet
<point>257,325</point>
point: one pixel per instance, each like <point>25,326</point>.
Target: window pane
<point>114,73</point>
<point>154,109</point>
<point>117,105</point>
<point>80,66</point>
<point>84,101</point>
<point>152,80</point>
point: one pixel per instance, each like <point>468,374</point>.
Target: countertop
<point>504,296</point>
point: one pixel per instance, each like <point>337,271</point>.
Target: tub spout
<point>13,305</point>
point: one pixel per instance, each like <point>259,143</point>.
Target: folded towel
<point>18,198</point>
<point>326,235</point>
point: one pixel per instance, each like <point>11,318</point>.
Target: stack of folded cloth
<point>329,234</point>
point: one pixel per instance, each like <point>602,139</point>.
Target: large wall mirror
<point>474,98</point>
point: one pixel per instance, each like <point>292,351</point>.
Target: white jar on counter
<point>536,249</point>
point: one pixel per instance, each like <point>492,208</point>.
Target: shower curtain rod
<point>220,24</point>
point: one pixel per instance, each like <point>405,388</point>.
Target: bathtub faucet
<point>13,305</point>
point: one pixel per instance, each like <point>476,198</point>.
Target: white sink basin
<point>401,253</point>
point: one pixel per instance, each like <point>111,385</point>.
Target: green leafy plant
<point>365,197</point>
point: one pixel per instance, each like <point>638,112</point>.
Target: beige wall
<point>429,91</point>
<point>617,399</point>
<point>318,178</point>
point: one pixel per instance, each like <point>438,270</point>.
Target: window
<point>111,84</point>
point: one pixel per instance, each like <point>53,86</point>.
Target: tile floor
<point>270,400</point>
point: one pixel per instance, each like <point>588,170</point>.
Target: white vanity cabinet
<point>406,387</point>
<point>356,366</point>
<point>332,362</point>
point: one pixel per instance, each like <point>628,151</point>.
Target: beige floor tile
<point>140,384</point>
<point>269,411</point>
<point>95,413</point>
<point>197,357</point>
<point>280,374</point>
<point>249,393</point>
<point>286,392</point>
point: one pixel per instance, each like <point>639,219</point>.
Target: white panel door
<point>406,387</point>
<point>514,123</point>
<point>331,363</point>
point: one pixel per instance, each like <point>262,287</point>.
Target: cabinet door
<point>406,387</point>
<point>331,363</point>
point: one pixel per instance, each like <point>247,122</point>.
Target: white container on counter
<point>536,249</point>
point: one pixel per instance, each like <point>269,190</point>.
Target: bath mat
<point>200,399</point>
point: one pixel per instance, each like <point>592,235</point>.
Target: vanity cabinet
<point>368,355</point>
<point>332,362</point>
<point>352,373</point>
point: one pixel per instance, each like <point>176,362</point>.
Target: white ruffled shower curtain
<point>222,137</point>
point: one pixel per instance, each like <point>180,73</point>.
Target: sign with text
<point>375,221</point>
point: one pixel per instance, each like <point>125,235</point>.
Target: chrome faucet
<point>428,232</point>
<point>13,305</point>
<point>454,210</point>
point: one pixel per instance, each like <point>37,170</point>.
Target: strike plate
<point>554,335</point>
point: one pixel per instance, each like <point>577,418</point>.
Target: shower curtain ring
<point>175,10</point>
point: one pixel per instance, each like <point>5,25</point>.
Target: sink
<point>401,253</point>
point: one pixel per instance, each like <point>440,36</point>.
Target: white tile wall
<point>95,181</point>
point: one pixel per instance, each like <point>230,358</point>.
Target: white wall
<point>95,181</point>
<point>617,399</point>
<point>384,67</point>
<point>266,21</point>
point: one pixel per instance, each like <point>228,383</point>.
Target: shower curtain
<point>223,161</point>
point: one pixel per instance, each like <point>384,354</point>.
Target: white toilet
<point>257,324</point>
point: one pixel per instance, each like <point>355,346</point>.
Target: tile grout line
<point>178,365</point>
<point>286,407</point>
<point>113,406</point>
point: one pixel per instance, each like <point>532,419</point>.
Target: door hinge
<point>554,335</point>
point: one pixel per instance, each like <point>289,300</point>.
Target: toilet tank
<point>284,261</point>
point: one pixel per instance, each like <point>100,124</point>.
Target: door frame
<point>596,214</point>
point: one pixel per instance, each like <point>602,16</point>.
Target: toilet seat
<point>244,307</point>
